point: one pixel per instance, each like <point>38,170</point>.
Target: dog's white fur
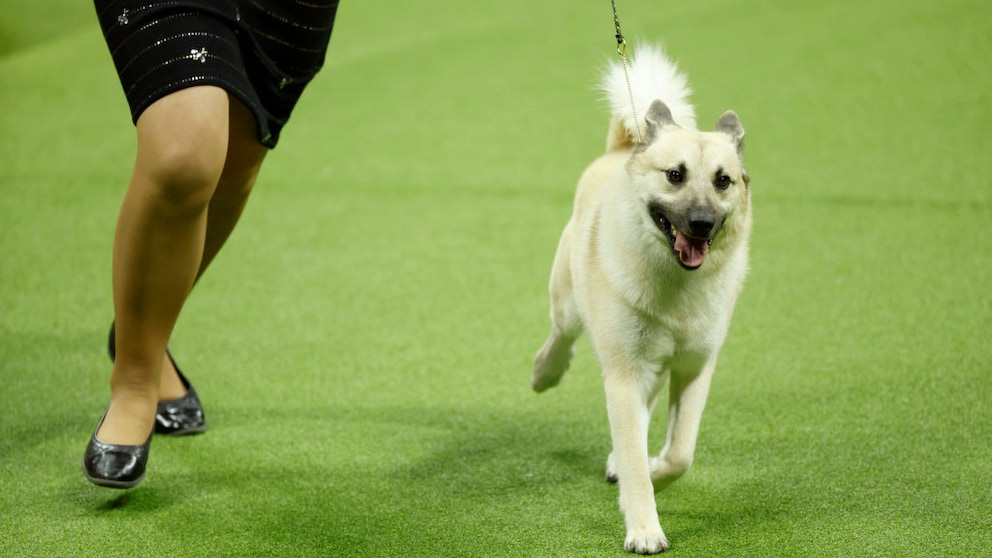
<point>650,265</point>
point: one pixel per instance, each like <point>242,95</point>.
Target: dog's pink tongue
<point>691,250</point>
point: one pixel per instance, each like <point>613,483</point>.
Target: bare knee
<point>182,149</point>
<point>182,175</point>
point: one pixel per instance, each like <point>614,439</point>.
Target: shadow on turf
<point>481,479</point>
<point>104,502</point>
<point>116,503</point>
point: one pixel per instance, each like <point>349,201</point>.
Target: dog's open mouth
<point>690,250</point>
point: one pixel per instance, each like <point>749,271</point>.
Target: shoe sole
<point>108,483</point>
<point>184,432</point>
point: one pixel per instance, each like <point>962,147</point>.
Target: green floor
<point>363,345</point>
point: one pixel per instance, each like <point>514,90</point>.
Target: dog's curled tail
<point>652,76</point>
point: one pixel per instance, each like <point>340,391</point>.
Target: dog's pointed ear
<point>730,124</point>
<point>659,115</point>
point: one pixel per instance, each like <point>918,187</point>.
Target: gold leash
<point>622,51</point>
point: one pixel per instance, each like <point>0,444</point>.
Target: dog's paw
<point>666,471</point>
<point>646,541</point>
<point>550,365</point>
<point>611,470</point>
<point>544,378</point>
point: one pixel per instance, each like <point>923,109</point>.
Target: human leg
<point>241,166</point>
<point>243,162</point>
<point>158,245</point>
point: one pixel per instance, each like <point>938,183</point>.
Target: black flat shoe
<point>113,465</point>
<point>175,417</point>
<point>182,416</point>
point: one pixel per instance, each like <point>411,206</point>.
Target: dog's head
<point>692,184</point>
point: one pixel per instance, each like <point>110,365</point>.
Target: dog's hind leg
<point>553,359</point>
<point>686,400</point>
<point>628,406</point>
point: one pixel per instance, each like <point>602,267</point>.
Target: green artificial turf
<point>363,345</point>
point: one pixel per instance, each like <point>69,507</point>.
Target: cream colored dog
<point>651,264</point>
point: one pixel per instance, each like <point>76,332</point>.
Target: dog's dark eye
<point>674,176</point>
<point>723,182</point>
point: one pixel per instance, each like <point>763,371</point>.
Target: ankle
<point>170,385</point>
<point>129,420</point>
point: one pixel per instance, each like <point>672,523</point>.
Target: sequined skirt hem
<point>262,52</point>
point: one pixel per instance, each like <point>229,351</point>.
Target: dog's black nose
<point>700,223</point>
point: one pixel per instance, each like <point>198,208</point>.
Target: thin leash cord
<point>622,51</point>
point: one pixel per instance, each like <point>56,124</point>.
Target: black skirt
<point>262,52</point>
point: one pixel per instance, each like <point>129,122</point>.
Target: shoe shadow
<point>116,503</point>
<point>99,501</point>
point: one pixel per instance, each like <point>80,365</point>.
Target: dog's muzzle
<point>690,247</point>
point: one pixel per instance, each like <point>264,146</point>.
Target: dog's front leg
<point>687,398</point>
<point>627,403</point>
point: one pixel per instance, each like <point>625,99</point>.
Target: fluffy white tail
<point>652,76</point>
